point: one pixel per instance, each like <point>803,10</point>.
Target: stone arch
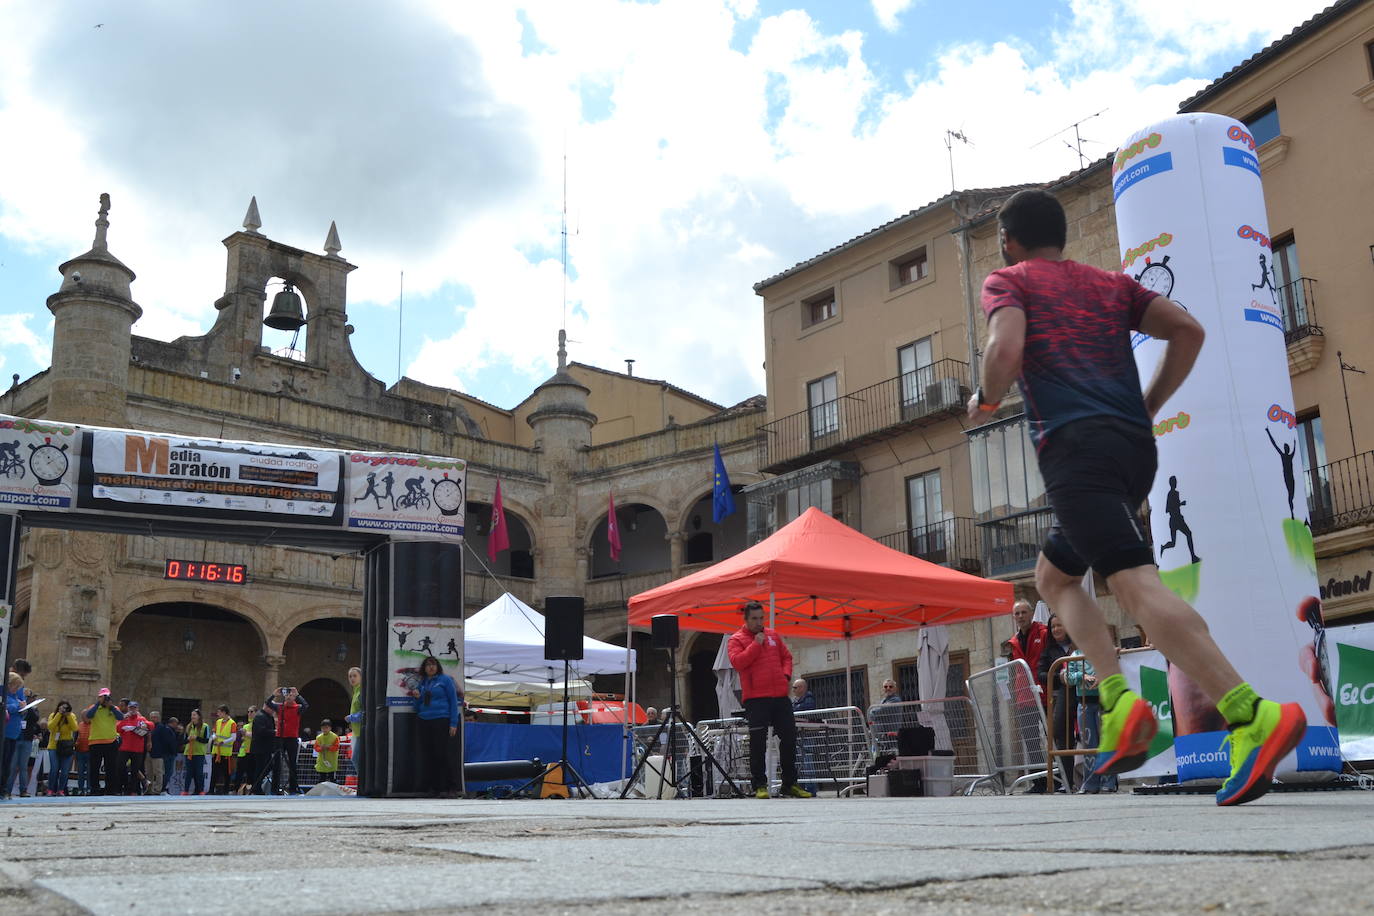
<point>705,540</point>
<point>293,622</point>
<point>329,699</point>
<point>519,561</point>
<point>705,483</point>
<point>624,500</point>
<point>643,539</point>
<point>187,594</point>
<point>185,652</point>
<point>306,289</point>
<point>324,642</point>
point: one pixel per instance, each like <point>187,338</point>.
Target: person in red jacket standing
<point>133,744</point>
<point>765,673</point>
<point>1027,644</point>
<point>1030,637</point>
<point>288,704</point>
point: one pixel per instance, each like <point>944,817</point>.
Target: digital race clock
<point>233,573</point>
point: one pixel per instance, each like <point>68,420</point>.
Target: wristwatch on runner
<point>984,404</point>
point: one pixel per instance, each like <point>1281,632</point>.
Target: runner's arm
<point>1183,336</point>
<point>1002,355</point>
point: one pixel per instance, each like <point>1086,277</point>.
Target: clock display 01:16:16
<point>233,573</point>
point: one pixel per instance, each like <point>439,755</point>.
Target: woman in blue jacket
<point>438,709</point>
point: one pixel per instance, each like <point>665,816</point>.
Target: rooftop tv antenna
<point>950,137</point>
<point>1078,139</point>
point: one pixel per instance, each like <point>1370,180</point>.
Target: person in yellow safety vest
<point>222,749</point>
<point>197,741</point>
<point>242,770</point>
<point>326,751</point>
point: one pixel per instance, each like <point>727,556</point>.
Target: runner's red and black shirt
<point>1077,361</point>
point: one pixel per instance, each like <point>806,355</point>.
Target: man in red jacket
<point>1030,637</point>
<point>1027,643</point>
<point>765,673</point>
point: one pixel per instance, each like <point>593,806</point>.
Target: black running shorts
<point>1097,472</point>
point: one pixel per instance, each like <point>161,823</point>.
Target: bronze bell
<point>286,313</point>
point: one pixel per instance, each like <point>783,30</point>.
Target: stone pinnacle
<point>331,241</point>
<point>251,220</point>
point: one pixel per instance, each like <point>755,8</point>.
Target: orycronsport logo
<point>1197,758</point>
<point>1277,414</point>
<point>1128,171</point>
<point>1240,158</point>
<point>1163,240</point>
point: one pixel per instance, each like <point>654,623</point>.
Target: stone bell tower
<point>93,314</point>
<point>562,427</point>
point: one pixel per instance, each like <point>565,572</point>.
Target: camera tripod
<point>672,721</point>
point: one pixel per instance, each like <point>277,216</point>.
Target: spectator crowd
<point>111,747</point>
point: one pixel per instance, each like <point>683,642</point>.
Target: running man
<point>1063,328</point>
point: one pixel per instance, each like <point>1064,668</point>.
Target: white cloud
<point>436,140</point>
<point>16,334</point>
<point>889,12</point>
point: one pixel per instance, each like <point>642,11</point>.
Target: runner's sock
<point>1238,706</point>
<point>1110,690</point>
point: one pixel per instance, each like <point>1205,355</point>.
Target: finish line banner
<point>213,474</point>
<point>47,465</point>
<point>1228,512</point>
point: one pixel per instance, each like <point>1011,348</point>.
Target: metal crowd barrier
<point>1064,756</point>
<point>1006,704</point>
<point>834,748</point>
<point>955,723</point>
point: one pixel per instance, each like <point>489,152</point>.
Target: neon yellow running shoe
<point>1126,735</point>
<point>796,792</point>
<point>1257,747</point>
<point>761,793</point>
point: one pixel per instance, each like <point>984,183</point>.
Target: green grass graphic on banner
<point>1186,581</point>
<point>1355,693</point>
<point>1154,687</point>
<point>1299,539</point>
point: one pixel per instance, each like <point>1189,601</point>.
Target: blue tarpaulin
<point>593,750</point>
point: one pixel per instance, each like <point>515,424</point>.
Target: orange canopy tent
<point>822,580</point>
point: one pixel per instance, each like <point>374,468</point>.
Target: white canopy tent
<point>504,641</point>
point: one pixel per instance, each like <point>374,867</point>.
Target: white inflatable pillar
<point>1228,511</point>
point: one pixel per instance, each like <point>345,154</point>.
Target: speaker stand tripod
<point>576,783</point>
<point>672,721</point>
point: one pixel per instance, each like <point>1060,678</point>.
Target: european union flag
<point>722,499</point>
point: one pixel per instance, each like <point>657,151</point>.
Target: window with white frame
<point>822,401</point>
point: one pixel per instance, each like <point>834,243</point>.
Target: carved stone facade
<point>93,609</point>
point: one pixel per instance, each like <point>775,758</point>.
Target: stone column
<point>272,675</point>
<point>675,539</point>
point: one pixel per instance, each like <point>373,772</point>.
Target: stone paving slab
<point>974,855</point>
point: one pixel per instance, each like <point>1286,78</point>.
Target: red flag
<point>613,530</point>
<point>498,539</point>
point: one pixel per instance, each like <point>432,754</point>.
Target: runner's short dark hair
<point>1034,218</point>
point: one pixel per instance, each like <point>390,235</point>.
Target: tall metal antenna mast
<point>1077,144</point>
<point>950,137</point>
<point>565,235</point>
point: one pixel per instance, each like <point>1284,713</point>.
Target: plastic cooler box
<point>937,773</point>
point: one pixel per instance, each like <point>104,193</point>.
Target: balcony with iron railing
<point>1298,302</point>
<point>927,395</point>
<point>1341,494</point>
<point>952,542</point>
<point>1011,543</point>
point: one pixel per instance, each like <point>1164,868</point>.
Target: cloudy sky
<point>708,145</point>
